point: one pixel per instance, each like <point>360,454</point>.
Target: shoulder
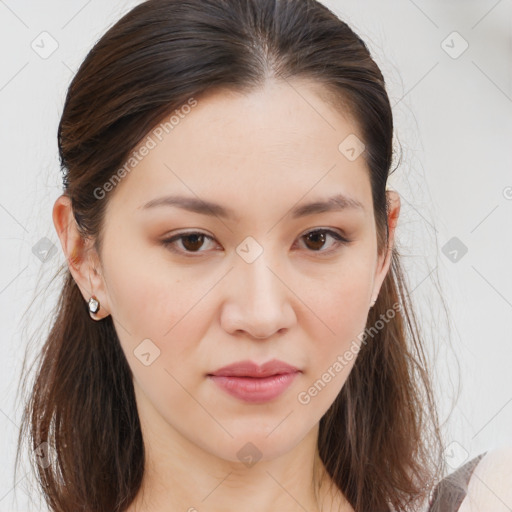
<point>450,492</point>
<point>490,486</point>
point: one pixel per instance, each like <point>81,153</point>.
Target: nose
<point>258,301</point>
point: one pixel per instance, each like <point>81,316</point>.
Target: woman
<point>234,327</point>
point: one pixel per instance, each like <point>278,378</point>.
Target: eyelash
<point>168,243</point>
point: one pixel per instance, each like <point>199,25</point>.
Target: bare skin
<point>302,301</point>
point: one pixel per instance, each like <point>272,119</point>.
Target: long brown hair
<point>380,440</point>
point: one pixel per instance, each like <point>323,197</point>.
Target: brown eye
<point>190,242</point>
<point>315,240</point>
<point>193,242</point>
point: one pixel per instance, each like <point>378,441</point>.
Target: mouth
<point>254,389</point>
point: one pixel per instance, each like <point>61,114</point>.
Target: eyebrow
<point>338,202</point>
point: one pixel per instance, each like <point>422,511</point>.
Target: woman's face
<point>253,285</point>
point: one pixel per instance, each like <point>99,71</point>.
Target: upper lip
<point>251,369</point>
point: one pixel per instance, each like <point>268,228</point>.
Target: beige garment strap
<point>448,494</point>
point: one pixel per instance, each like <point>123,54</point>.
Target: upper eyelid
<point>199,232</point>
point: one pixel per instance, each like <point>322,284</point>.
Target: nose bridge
<point>260,285</point>
<point>261,304</point>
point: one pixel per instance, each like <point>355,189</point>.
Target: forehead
<point>279,141</point>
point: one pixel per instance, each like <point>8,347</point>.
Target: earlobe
<point>79,257</point>
<point>97,310</point>
<point>94,308</point>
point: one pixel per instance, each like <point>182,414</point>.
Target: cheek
<point>342,302</point>
<point>152,300</point>
<point>147,294</point>
<point>160,318</point>
<point>340,309</point>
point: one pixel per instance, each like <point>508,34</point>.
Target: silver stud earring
<point>94,304</point>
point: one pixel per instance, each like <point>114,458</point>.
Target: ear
<point>83,261</point>
<point>384,259</point>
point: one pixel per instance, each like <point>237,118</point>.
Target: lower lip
<point>255,390</point>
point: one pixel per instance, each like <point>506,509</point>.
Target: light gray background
<point>453,116</point>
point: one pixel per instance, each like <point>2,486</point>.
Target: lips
<point>253,383</point>
<point>252,369</point>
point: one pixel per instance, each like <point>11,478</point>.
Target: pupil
<point>196,244</point>
<point>313,236</point>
